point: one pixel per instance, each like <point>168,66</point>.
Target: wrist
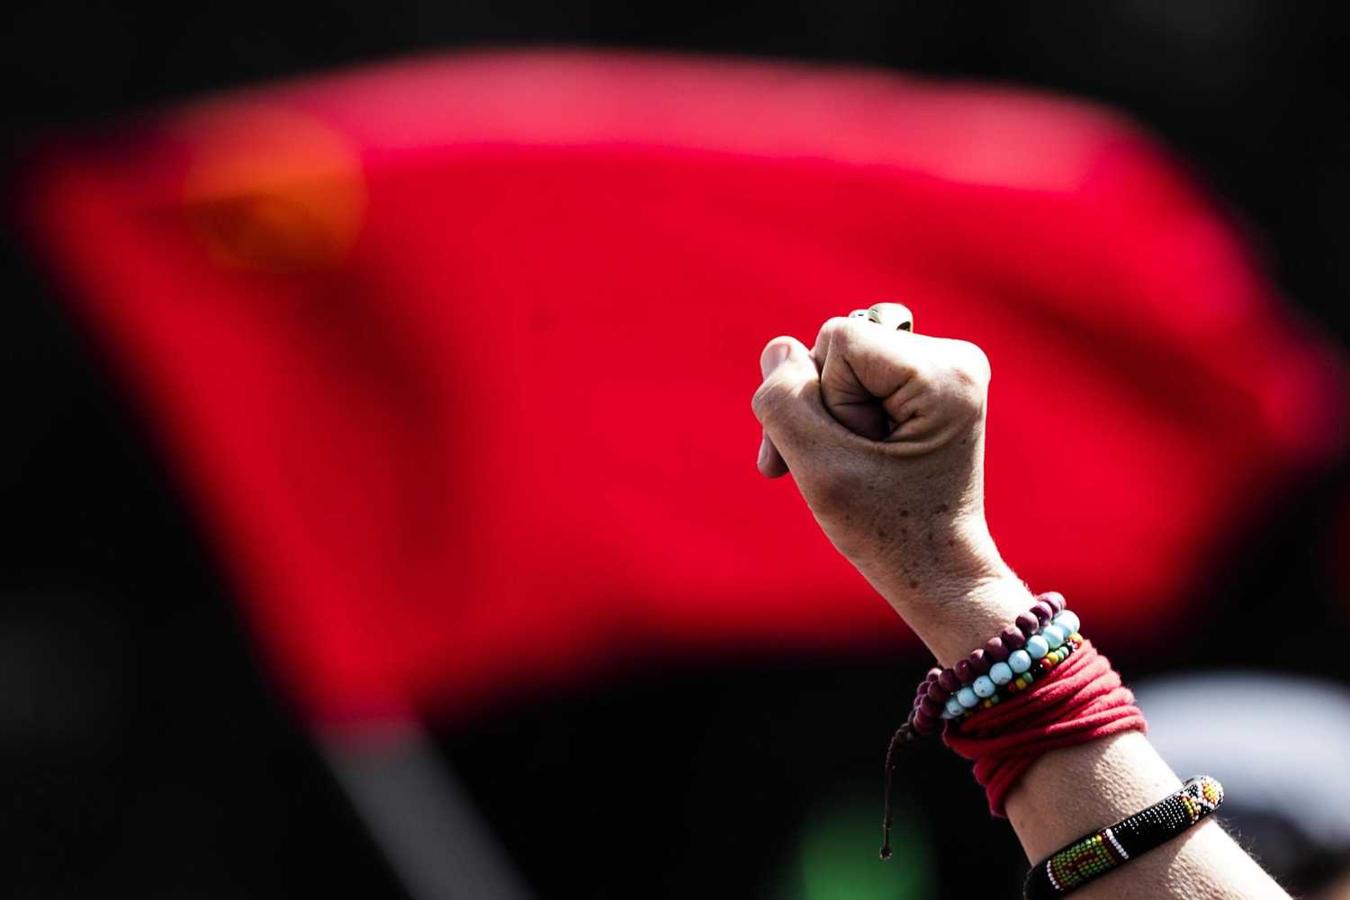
<point>945,577</point>
<point>961,616</point>
<point>958,605</point>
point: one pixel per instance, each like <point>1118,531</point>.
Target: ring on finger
<point>891,316</point>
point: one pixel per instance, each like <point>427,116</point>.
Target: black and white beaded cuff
<point>1092,856</point>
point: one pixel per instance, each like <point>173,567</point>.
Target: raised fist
<point>883,431</point>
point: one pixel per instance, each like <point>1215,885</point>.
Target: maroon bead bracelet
<point>938,686</point>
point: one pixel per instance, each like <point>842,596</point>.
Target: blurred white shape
<point>1280,744</point>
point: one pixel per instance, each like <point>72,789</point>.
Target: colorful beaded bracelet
<point>949,693</point>
<point>1017,675</point>
<point>1091,857</point>
<point>1025,652</point>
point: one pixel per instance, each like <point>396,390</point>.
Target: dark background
<point>142,753</point>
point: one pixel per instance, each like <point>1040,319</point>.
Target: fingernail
<point>773,357</point>
<point>763,450</point>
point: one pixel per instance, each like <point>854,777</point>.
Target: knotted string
<point>903,735</point>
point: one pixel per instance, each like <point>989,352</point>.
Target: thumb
<point>786,400</point>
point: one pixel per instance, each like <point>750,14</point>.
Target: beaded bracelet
<point>1014,679</point>
<point>1023,653</point>
<point>1004,659</point>
<point>1091,857</point>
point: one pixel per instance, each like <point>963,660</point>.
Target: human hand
<point>883,432</point>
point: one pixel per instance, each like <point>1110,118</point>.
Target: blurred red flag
<point>455,356</point>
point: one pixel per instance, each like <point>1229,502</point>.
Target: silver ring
<point>892,316</point>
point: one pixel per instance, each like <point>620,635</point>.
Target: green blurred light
<point>837,857</point>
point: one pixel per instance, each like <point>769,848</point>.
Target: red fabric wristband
<point>1083,700</point>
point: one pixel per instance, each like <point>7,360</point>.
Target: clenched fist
<point>883,432</point>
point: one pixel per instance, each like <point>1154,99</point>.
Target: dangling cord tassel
<point>903,735</point>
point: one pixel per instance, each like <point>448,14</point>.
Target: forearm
<point>1072,792</point>
<point>1069,793</point>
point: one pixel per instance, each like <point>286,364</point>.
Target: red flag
<point>455,356</point>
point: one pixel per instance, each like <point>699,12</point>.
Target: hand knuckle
<point>971,365</point>
<point>851,330</point>
<point>837,330</point>
<point>769,400</point>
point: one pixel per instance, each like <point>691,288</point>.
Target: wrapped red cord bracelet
<point>1052,690</point>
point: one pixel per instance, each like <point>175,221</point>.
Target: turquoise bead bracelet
<point>1027,641</point>
<point>1010,662</point>
<point>1056,643</point>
